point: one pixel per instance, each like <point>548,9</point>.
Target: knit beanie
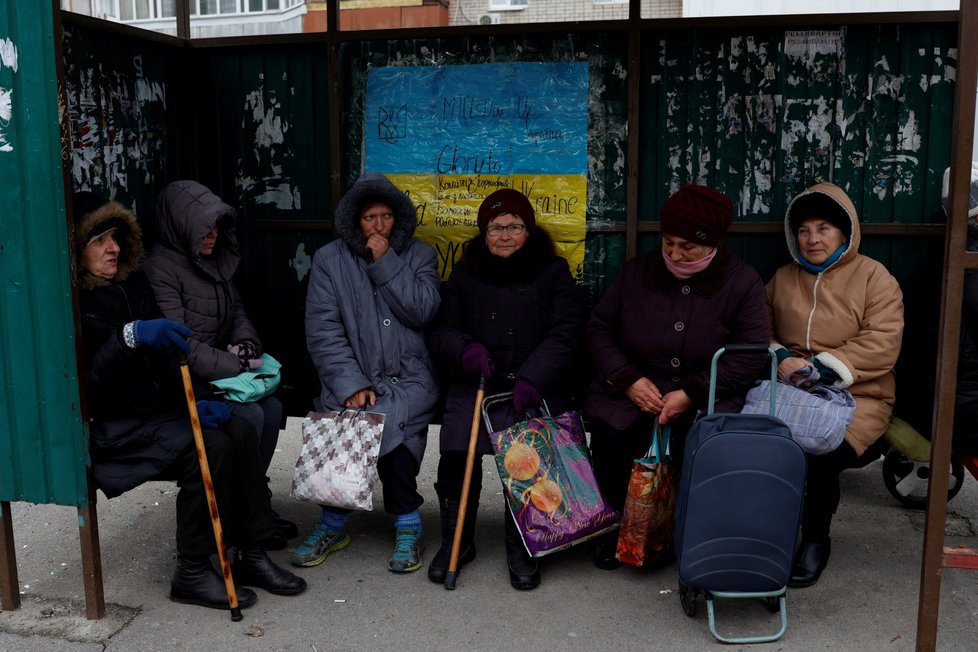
<point>698,214</point>
<point>822,206</point>
<point>506,200</point>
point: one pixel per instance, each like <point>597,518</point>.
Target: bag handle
<point>742,348</point>
<point>659,447</point>
<point>507,397</point>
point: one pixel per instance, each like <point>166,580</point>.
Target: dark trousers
<point>239,487</point>
<point>451,476</point>
<point>613,452</point>
<point>822,493</point>
<point>265,416</point>
<point>398,473</point>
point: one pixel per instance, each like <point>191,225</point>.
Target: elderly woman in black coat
<point>139,426</point>
<point>654,332</point>
<point>512,313</point>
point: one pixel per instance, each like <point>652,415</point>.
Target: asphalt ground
<point>866,599</point>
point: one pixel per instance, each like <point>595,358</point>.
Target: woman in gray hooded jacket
<point>372,292</point>
<point>190,269</point>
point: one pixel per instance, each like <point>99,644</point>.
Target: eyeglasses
<point>512,229</point>
<point>387,217</point>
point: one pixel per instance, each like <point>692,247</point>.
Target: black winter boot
<point>524,572</point>
<point>448,511</point>
<point>196,582</point>
<point>254,568</point>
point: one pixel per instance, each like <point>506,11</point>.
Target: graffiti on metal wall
<point>763,116</point>
<point>8,61</point>
<point>606,97</point>
<point>262,177</point>
<point>452,135</point>
<point>117,114</point>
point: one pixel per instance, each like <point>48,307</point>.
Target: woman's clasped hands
<point>648,398</point>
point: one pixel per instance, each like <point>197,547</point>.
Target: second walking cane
<point>452,575</point>
<point>205,471</point>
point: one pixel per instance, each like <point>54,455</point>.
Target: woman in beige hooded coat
<point>840,314</point>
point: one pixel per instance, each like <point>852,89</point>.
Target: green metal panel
<point>262,117</point>
<point>43,444</point>
<point>764,113</point>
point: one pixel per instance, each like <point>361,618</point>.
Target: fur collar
<point>524,266</point>
<point>131,245</point>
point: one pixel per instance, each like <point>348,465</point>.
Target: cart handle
<point>742,348</point>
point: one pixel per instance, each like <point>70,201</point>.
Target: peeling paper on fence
<point>8,59</point>
<point>301,263</point>
<point>260,176</point>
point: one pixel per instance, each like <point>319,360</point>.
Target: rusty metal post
<point>955,261</point>
<point>183,18</point>
<point>9,585</point>
<point>634,120</point>
<point>91,555</point>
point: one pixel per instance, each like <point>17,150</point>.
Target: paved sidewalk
<point>867,599</point>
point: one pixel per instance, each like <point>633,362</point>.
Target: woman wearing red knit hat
<point>512,313</point>
<point>653,334</point>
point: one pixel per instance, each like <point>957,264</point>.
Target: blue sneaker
<point>408,547</point>
<point>318,545</point>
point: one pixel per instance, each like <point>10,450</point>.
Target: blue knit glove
<point>525,396</point>
<point>475,359</point>
<point>162,334</point>
<point>212,414</point>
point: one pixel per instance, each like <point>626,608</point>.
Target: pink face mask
<point>683,270</point>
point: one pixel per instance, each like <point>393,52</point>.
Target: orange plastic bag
<point>648,522</point>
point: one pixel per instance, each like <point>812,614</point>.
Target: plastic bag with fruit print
<point>545,468</point>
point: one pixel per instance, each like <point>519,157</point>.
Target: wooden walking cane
<point>205,471</point>
<point>452,575</point>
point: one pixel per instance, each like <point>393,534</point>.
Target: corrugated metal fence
<point>43,446</point>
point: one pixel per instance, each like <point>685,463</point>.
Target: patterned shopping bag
<point>549,484</point>
<point>338,462</point>
<point>648,521</point>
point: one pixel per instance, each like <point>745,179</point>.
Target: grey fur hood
<point>369,188</point>
<point>185,212</point>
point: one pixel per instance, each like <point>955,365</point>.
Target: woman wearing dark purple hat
<point>512,313</point>
<point>653,334</point>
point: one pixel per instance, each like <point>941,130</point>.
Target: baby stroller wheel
<point>906,479</point>
<point>773,604</point>
<point>687,598</point>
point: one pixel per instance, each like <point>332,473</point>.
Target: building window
<point>228,7</point>
<point>507,5</point>
<point>130,10</point>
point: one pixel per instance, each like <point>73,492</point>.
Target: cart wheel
<point>773,604</point>
<point>687,598</point>
<point>906,480</point>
